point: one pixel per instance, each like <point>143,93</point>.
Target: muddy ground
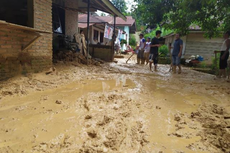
<point>114,108</point>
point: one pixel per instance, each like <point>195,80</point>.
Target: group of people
<point>148,51</point>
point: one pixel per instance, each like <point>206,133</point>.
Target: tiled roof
<point>82,18</point>
<point>84,25</point>
<point>107,19</point>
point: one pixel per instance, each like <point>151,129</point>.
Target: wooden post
<point>171,64</point>
<point>216,62</point>
<point>114,35</point>
<point>88,14</point>
<point>30,43</point>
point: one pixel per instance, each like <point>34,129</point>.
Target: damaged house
<point>28,29</point>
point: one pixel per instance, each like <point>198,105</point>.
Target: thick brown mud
<point>115,108</point>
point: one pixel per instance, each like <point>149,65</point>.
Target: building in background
<point>98,24</point>
<point>196,44</point>
<point>30,30</point>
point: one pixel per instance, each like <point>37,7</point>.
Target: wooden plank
<point>31,43</point>
<point>2,22</point>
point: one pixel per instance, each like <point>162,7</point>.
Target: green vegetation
<point>163,51</point>
<point>132,41</point>
<point>215,63</point>
<point>153,32</point>
<point>203,64</point>
<point>123,41</point>
<point>120,5</point>
<point>211,16</point>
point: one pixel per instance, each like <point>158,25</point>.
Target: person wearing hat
<point>147,50</point>
<point>141,48</point>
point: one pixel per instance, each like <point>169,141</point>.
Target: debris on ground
<point>215,132</point>
<point>70,56</point>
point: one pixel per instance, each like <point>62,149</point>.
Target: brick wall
<point>36,58</point>
<point>71,17</point>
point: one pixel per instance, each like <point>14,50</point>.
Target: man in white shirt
<point>141,48</point>
<point>147,50</point>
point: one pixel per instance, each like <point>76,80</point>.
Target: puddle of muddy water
<point>163,102</point>
<point>46,116</point>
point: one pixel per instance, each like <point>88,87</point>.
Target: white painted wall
<point>196,44</point>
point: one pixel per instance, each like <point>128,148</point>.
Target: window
<point>58,19</point>
<point>95,34</point>
<point>17,11</point>
<point>101,37</point>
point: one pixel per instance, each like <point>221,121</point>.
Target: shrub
<point>202,64</point>
<point>215,62</point>
<point>123,41</point>
<point>132,41</point>
<point>153,32</point>
<point>163,51</point>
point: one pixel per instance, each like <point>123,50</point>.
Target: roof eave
<point>113,9</point>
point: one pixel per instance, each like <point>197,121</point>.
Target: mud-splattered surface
<point>115,108</point>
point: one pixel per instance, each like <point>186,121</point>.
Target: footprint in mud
<point>58,102</point>
<point>92,133</point>
<point>113,127</point>
<point>43,98</point>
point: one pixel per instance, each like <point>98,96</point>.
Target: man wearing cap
<point>141,48</point>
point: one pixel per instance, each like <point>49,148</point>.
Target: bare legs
<point>150,66</point>
<point>222,73</point>
<point>174,69</point>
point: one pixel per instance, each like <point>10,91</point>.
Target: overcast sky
<point>129,5</point>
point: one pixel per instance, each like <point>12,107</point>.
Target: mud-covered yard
<point>114,108</point>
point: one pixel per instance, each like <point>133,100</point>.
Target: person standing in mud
<point>224,55</point>
<point>141,48</point>
<point>177,53</point>
<point>153,57</point>
<point>147,50</point>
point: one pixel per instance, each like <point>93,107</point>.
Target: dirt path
<point>115,108</point>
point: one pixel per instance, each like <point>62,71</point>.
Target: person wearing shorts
<point>153,57</point>
<point>177,53</point>
<point>224,55</point>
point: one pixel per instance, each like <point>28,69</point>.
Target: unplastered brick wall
<point>38,57</point>
<point>71,18</point>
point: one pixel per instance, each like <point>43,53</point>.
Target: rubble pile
<point>70,56</point>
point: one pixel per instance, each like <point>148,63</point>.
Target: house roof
<point>192,28</point>
<point>82,18</point>
<point>102,5</point>
<point>107,19</point>
<point>84,25</point>
<point>129,22</point>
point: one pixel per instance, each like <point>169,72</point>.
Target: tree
<point>103,14</point>
<point>212,16</point>
<point>120,5</point>
<point>151,12</point>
